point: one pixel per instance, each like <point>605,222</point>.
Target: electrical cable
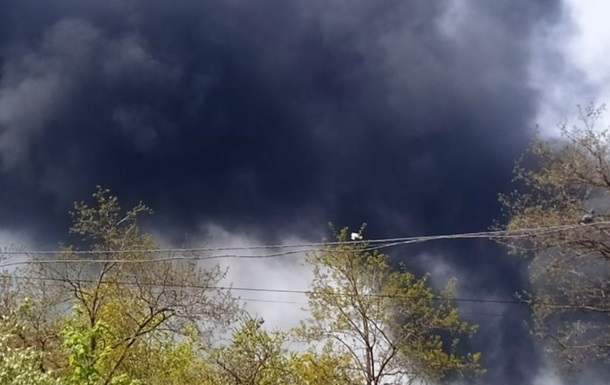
<point>303,247</point>
<point>266,290</point>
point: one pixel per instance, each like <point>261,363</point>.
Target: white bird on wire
<point>260,322</point>
<point>356,237</point>
<point>587,218</point>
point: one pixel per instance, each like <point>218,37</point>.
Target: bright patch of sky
<point>571,64</point>
<point>278,309</point>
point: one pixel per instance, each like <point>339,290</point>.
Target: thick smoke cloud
<point>273,117</point>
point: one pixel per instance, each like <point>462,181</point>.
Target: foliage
<point>123,313</point>
<point>560,181</point>
<point>122,299</point>
<point>159,360</point>
<point>169,363</point>
<point>322,367</point>
<point>88,363</point>
<point>20,365</point>
<point>256,356</point>
<point>38,315</point>
<point>392,325</point>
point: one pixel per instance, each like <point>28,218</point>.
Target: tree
<point>39,318</point>
<point>253,357</point>
<point>124,297</point>
<point>256,356</point>
<point>20,365</point>
<point>174,363</point>
<point>559,183</point>
<point>322,367</point>
<point>392,325</point>
<point>91,364</point>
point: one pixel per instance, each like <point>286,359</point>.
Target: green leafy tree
<point>171,362</point>
<point>256,356</point>
<point>392,326</point>
<point>253,357</point>
<point>90,364</point>
<point>39,315</point>
<point>322,367</point>
<point>20,365</point>
<point>161,359</point>
<point>107,312</point>
<point>558,182</point>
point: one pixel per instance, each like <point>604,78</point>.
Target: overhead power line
<point>194,253</point>
<point>487,301</point>
<point>272,301</point>
<point>73,280</point>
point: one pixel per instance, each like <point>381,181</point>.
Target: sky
<point>245,123</point>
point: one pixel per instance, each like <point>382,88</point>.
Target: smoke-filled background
<point>252,122</point>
